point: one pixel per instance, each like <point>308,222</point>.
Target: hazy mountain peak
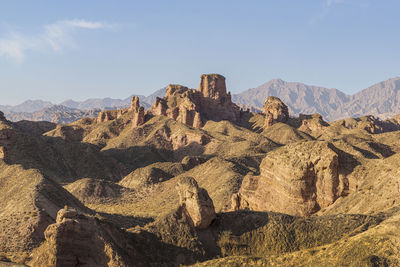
<point>381,99</point>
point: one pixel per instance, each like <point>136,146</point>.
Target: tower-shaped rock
<point>138,112</point>
<point>213,86</point>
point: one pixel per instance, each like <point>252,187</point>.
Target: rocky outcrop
<point>109,115</point>
<point>194,107</point>
<point>216,102</point>
<point>181,104</point>
<point>275,111</point>
<point>196,203</point>
<point>297,179</point>
<point>213,86</point>
<point>312,124</point>
<point>76,239</point>
<point>138,112</point>
<point>135,108</point>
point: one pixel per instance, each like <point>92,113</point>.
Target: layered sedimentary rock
<point>135,108</point>
<point>196,202</point>
<point>275,111</point>
<point>181,104</point>
<point>216,103</point>
<point>297,179</point>
<point>138,112</point>
<point>195,107</point>
<point>76,239</point>
<point>312,124</point>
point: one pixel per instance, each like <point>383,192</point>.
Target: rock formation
<point>213,86</point>
<point>109,115</point>
<point>297,179</point>
<point>138,112</point>
<point>312,124</point>
<point>76,239</point>
<point>135,108</point>
<point>216,103</point>
<point>275,111</point>
<point>196,202</point>
<point>195,107</point>
<point>181,104</point>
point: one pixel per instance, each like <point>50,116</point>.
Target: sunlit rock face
<point>194,107</point>
<point>275,111</point>
<point>195,202</point>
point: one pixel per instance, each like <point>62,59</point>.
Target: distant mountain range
<point>381,100</point>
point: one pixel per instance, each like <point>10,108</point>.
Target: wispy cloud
<point>328,3</point>
<point>56,37</point>
<point>326,6</point>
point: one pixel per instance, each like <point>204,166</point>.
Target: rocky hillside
<point>195,180</point>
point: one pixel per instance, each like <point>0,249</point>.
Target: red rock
<point>195,107</point>
<point>196,203</point>
<point>297,179</point>
<point>275,111</point>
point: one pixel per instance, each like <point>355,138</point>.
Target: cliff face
<point>194,107</point>
<point>181,104</point>
<point>297,179</point>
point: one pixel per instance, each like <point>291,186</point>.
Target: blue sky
<point>57,50</point>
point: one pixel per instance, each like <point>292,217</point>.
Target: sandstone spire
<point>138,112</point>
<point>213,86</point>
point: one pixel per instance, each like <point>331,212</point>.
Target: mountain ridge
<point>381,100</point>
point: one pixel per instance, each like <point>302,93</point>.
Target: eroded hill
<point>197,180</point>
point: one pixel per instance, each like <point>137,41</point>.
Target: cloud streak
<point>55,37</point>
<point>327,5</point>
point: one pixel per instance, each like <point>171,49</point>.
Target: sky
<point>78,49</point>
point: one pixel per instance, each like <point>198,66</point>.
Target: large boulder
<point>77,239</point>
<point>196,203</point>
<point>275,111</point>
<point>297,179</point>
